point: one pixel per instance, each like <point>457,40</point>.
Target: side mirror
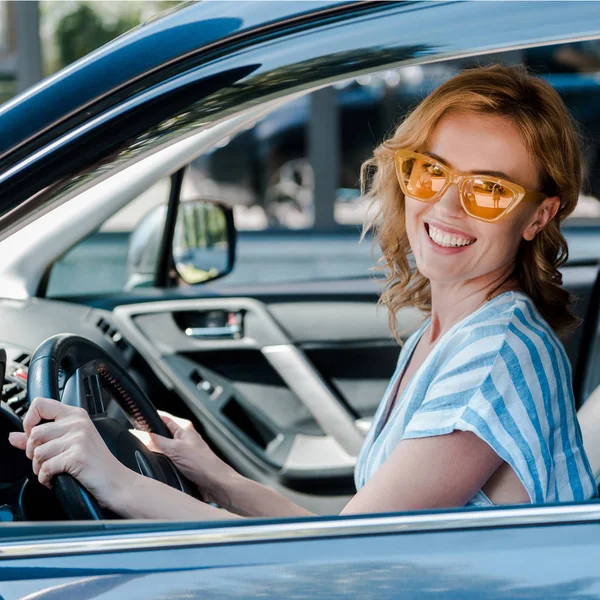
<point>203,243</point>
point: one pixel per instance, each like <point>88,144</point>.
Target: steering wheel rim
<point>75,357</point>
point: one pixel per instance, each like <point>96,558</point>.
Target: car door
<point>505,552</point>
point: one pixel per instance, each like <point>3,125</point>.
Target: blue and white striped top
<point>503,374</point>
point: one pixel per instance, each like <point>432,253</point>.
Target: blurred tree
<point>83,30</point>
<point>90,25</point>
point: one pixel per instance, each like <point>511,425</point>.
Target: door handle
<point>227,332</point>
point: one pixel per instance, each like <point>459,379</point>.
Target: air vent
<point>23,359</point>
<point>112,334</point>
<point>15,395</point>
<point>14,387</point>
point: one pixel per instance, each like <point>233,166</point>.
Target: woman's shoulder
<point>506,317</point>
<point>508,328</point>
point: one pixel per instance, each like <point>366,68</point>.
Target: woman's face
<point>473,143</point>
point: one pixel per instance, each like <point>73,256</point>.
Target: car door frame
<point>498,553</point>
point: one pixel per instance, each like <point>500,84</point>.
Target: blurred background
<point>37,38</point>
<point>293,177</point>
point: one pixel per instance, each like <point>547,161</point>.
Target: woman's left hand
<point>69,443</point>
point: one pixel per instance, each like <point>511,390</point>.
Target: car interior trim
<point>304,380</point>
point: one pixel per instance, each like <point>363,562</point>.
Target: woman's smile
<point>447,240</point>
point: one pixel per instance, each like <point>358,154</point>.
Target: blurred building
<point>20,53</point>
<point>8,59</point>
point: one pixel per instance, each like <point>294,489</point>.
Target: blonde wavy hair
<point>551,137</point>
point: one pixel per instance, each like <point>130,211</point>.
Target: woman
<point>472,188</point>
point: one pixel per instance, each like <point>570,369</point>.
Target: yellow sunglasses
<point>483,197</point>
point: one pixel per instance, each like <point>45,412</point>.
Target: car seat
<point>589,418</point>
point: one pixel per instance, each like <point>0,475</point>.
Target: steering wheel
<point>81,370</point>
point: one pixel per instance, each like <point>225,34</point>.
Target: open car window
<point>265,173</point>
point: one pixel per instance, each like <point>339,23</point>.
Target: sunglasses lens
<point>485,198</point>
<point>420,178</point>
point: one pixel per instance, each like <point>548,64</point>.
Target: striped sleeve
<point>509,384</point>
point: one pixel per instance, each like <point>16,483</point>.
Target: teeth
<point>448,239</point>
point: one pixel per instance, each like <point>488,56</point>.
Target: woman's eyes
<point>483,185</point>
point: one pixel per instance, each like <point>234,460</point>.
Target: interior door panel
<point>290,392</point>
<point>358,372</point>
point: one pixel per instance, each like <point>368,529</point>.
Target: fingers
<point>164,413</point>
<point>51,467</point>
<point>47,451</point>
<point>154,442</point>
<point>41,434</point>
<point>162,444</point>
<point>145,438</point>
<point>173,423</point>
<point>18,439</point>
<point>46,409</point>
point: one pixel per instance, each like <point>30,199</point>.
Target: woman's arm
<point>144,498</point>
<point>435,472</point>
<point>216,480</point>
<point>427,472</point>
<point>69,443</point>
<point>440,471</point>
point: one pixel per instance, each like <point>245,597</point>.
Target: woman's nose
<point>449,203</point>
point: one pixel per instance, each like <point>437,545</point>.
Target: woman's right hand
<point>190,454</point>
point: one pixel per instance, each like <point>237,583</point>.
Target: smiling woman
<point>473,185</point>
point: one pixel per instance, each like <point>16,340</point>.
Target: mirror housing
<point>203,246</point>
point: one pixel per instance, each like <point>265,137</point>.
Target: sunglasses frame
<point>452,176</point>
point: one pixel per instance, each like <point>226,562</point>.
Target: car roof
<point>147,48</point>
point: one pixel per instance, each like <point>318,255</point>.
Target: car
<point>281,378</point>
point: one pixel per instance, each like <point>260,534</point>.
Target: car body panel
<point>530,561</point>
<point>121,63</point>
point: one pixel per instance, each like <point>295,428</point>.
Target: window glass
<point>99,263</point>
<point>8,61</point>
<point>267,171</point>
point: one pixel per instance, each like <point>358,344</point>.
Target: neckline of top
<point>462,321</point>
<point>389,410</point>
